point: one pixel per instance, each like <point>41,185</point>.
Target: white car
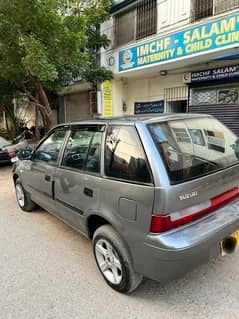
<point>9,149</point>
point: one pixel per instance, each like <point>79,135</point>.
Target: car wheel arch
<point>15,177</point>
<point>94,221</point>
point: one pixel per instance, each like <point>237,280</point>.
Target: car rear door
<point>78,180</point>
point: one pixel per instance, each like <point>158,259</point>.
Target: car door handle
<point>48,178</point>
<point>88,192</point>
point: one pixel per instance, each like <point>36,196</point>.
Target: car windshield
<point>3,142</point>
<point>194,147</point>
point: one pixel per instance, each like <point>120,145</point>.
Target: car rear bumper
<point>169,255</point>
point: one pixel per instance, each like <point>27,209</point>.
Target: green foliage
<point>9,92</point>
<point>51,41</point>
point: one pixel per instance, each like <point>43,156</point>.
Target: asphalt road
<point>47,271</point>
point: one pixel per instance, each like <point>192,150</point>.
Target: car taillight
<point>12,154</point>
<point>162,223</point>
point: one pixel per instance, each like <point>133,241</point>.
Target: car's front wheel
<point>114,261</point>
<point>23,198</point>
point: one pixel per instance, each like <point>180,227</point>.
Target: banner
<point>207,37</point>
<point>149,107</point>
<point>221,73</point>
<point>107,101</point>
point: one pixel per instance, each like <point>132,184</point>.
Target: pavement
<point>47,271</point>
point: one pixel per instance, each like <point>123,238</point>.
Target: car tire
<point>114,261</point>
<point>23,198</point>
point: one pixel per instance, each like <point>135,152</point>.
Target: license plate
<point>224,247</point>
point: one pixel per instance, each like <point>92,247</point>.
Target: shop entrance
<point>176,99</point>
<point>177,106</point>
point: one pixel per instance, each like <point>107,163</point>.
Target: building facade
<point>174,56</point>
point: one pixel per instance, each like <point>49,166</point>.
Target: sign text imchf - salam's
<point>227,72</point>
<point>155,51</point>
<point>194,40</point>
<point>202,38</point>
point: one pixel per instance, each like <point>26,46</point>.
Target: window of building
<point>206,8</point>
<point>124,155</point>
<point>135,23</point>
<point>49,150</point>
<point>202,9</point>
<point>146,19</point>
<point>124,27</point>
<point>176,99</point>
<point>222,5</point>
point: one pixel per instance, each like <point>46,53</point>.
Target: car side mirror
<point>24,155</point>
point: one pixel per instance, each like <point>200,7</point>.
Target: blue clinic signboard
<point>203,38</point>
<point>149,107</point>
<point>222,73</point>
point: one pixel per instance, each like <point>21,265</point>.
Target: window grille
<point>222,5</point>
<point>202,9</point>
<point>176,93</point>
<point>124,27</point>
<point>146,18</point>
<point>206,8</point>
<point>135,23</point>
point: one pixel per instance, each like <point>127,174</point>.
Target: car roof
<point>130,120</point>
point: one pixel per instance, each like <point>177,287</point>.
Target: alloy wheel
<point>108,261</point>
<point>20,195</point>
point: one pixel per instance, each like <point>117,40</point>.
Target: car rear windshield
<point>194,147</point>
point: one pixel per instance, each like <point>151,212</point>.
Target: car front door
<point>39,177</point>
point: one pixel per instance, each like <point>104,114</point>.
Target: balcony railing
<point>207,8</point>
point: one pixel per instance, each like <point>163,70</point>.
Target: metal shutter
<point>227,114</point>
<point>77,106</point>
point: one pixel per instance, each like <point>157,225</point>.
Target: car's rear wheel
<point>114,261</point>
<point>23,198</point>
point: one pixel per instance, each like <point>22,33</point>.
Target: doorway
<point>176,99</point>
<point>177,106</point>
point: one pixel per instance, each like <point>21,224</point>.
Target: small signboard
<point>107,100</point>
<point>221,73</point>
<point>149,107</point>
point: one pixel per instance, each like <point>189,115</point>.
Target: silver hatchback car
<point>156,195</point>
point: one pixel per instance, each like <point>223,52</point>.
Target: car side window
<point>49,150</point>
<point>93,159</point>
<point>77,149</point>
<point>124,155</point>
<point>83,150</point>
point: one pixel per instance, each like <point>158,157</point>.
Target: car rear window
<point>194,147</point>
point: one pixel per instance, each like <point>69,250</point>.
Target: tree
<point>47,43</point>
<point>8,94</point>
